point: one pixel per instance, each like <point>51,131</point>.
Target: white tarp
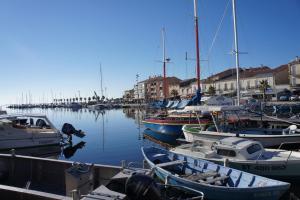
<point>219,101</point>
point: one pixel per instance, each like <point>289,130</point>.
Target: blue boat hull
<point>165,138</point>
<point>239,191</point>
<point>173,130</point>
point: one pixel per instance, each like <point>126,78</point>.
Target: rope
<point>218,29</point>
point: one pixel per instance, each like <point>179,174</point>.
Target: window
<point>293,81</point>
<point>293,69</point>
<point>225,152</point>
<point>256,83</point>
<point>231,86</point>
<point>248,84</point>
<point>225,86</point>
<point>254,148</point>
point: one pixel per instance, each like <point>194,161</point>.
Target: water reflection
<point>70,149</point>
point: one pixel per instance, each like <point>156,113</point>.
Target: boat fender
<point>141,186</point>
<point>289,130</point>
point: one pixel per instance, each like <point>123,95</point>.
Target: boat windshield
<point>253,148</point>
<point>226,152</point>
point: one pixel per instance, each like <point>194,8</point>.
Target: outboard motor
<point>69,129</point>
<point>142,187</point>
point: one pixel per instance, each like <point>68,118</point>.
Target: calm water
<point>111,136</point>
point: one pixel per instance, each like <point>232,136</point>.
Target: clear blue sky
<point>54,47</point>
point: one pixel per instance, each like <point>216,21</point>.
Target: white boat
<point>226,121</point>
<point>247,155</point>
<point>23,131</point>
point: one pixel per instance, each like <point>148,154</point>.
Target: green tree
<point>263,86</point>
<point>174,93</point>
<point>211,90</point>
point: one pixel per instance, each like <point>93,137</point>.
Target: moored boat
<point>172,124</point>
<point>216,181</point>
<point>25,177</point>
<point>23,131</point>
<point>247,155</point>
<point>231,121</point>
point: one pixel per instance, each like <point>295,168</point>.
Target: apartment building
<point>154,87</point>
<point>294,72</point>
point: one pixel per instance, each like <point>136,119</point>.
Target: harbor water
<point>111,135</point>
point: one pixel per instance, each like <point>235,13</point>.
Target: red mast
<point>164,64</point>
<point>197,45</point>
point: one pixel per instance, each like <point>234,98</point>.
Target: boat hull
<point>171,127</point>
<point>15,143</point>
<point>266,140</point>
<point>168,129</point>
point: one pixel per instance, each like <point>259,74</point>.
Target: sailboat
<point>172,123</point>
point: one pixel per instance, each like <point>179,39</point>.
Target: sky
<point>53,48</point>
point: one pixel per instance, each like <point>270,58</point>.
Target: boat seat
<point>167,164</point>
<point>214,180</point>
<point>201,176</point>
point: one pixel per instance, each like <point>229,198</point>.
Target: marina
<point>85,114</point>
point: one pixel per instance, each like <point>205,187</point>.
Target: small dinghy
<point>215,181</point>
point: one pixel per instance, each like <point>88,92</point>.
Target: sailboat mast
<point>236,52</point>
<point>164,64</point>
<point>197,45</point>
<point>101,87</point>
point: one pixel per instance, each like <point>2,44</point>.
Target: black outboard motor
<point>142,187</point>
<point>69,129</point>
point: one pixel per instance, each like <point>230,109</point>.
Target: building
<point>250,78</point>
<point>140,91</point>
<point>294,73</point>
<point>128,95</point>
<point>188,88</point>
<point>154,87</point>
<point>281,78</point>
<point>174,90</point>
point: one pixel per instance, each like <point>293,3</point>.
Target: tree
<point>211,90</point>
<point>174,93</point>
<point>263,86</point>
<point>89,99</point>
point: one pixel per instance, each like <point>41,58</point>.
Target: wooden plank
<point>176,162</point>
